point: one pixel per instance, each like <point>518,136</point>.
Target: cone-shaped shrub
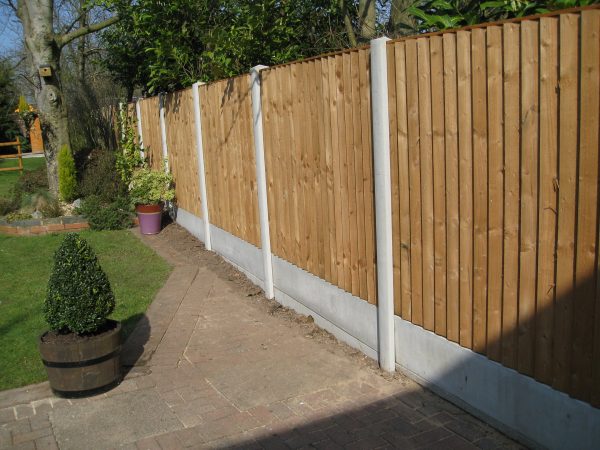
<point>79,297</point>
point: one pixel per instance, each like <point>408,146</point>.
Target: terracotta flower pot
<point>150,218</point>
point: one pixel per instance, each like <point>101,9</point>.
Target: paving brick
<point>430,437</point>
<point>46,443</point>
<point>368,443</point>
<point>452,443</point>
<point>190,437</point>
<point>148,444</point>
<point>469,431</point>
<point>7,415</point>
<point>24,411</point>
<point>31,435</point>
<point>169,441</point>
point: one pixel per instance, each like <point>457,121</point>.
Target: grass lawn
<point>135,272</point>
<point>8,178</point>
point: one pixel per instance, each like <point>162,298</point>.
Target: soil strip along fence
<point>484,239</point>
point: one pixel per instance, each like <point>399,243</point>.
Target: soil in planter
<point>74,338</point>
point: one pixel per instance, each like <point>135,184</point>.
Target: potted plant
<point>81,351</point>
<point>148,191</point>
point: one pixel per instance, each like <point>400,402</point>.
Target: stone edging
<point>43,226</point>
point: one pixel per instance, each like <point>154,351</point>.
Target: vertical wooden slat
<point>268,110</point>
<point>321,174</point>
<point>587,209</point>
<point>361,272</point>
<point>529,191</point>
<point>465,152</point>
<point>512,136</point>
<point>330,260</point>
<point>335,162</point>
<point>439,180</point>
<point>452,189</point>
<point>403,181</point>
<point>480,189</point>
<point>547,198</point>
<point>395,182</point>
<point>296,166</point>
<point>427,227</point>
<point>350,174</point>
<point>316,242</point>
<point>368,183</point>
<point>287,163</point>
<point>567,191</point>
<point>412,91</point>
<point>343,171</point>
<point>496,191</point>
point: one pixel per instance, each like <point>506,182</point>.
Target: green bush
<point>99,177</point>
<point>67,175</point>
<point>32,181</point>
<point>101,215</point>
<point>79,297</point>
<point>11,204</point>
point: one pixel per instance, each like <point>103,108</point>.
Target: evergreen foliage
<point>79,297</point>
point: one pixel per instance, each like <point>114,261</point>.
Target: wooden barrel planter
<point>79,366</point>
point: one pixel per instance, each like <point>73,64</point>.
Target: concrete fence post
<point>138,113</point>
<point>200,156</point>
<point>163,130</point>
<point>261,180</point>
<point>383,204</point>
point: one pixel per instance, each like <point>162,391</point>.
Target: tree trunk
<point>44,47</point>
<point>37,20</point>
<point>401,23</point>
<point>367,19</point>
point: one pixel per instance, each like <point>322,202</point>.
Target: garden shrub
<point>32,181</point>
<point>101,215</point>
<point>49,206</point>
<point>99,177</point>
<point>10,204</point>
<point>67,175</point>
<point>79,297</point>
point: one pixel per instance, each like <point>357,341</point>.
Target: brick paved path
<point>217,366</point>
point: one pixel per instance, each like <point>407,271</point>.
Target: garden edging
<point>44,226</point>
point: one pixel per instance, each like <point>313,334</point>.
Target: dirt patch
<point>186,245</point>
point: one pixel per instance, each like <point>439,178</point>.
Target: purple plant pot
<point>150,217</point>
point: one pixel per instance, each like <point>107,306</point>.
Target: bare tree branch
<point>64,39</point>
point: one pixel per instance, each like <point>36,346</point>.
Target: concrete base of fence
<point>195,225</point>
<point>244,256</point>
<point>347,317</point>
<point>517,404</point>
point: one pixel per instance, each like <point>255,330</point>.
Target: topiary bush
<point>67,175</point>
<point>79,297</point>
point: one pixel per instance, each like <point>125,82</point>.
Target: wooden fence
<point>183,161</point>
<point>229,157</point>
<point>319,168</point>
<point>494,156</point>
<point>495,192</point>
<point>151,137</point>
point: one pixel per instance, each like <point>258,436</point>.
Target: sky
<point>10,31</point>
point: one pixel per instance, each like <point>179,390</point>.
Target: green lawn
<point>8,178</point>
<point>135,272</point>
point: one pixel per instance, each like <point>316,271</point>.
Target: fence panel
<point>150,112</point>
<point>319,168</point>
<point>495,192</point>
<point>229,157</point>
<point>183,159</point>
